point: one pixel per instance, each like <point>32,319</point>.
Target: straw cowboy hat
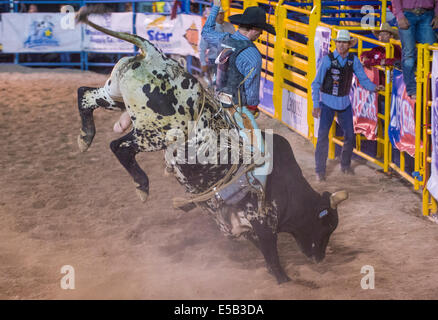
<point>254,17</point>
<point>386,27</point>
<point>344,36</point>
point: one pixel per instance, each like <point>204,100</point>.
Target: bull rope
<point>219,185</point>
<point>179,202</point>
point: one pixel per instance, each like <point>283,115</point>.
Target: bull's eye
<point>323,213</point>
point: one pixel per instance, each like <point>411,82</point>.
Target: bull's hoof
<point>188,207</point>
<point>143,195</point>
<point>279,274</point>
<point>283,279</point>
<point>168,171</point>
<point>83,146</point>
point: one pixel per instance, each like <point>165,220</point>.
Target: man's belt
<point>417,11</point>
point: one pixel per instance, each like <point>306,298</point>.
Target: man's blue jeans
<point>345,118</point>
<point>420,31</point>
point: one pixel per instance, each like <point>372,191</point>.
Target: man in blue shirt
<point>208,53</point>
<point>248,61</point>
<point>330,94</point>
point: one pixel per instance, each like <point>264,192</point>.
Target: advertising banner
<point>365,106</point>
<point>402,117</point>
<point>97,41</point>
<point>294,112</point>
<point>432,183</point>
<point>266,96</point>
<point>181,35</point>
<point>1,34</point>
<point>322,44</point>
<point>434,72</point>
<point>38,32</point>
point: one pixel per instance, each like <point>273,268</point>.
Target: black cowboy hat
<point>253,17</point>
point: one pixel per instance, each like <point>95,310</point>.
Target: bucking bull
<point>161,96</point>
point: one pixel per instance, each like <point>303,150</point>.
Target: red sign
<point>365,106</point>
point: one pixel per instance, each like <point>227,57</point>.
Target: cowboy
<point>239,90</point>
<point>208,53</point>
<point>334,79</point>
<point>245,62</point>
<point>377,55</point>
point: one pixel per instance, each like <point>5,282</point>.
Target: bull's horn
<point>337,197</point>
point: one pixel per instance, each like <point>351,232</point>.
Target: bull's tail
<point>82,17</point>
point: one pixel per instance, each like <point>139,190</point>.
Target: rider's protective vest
<point>228,76</point>
<point>337,80</point>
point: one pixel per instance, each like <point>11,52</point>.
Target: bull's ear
<point>337,197</point>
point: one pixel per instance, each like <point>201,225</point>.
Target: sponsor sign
<point>365,106</point>
<point>266,96</point>
<point>181,35</point>
<point>432,183</point>
<point>38,32</point>
<point>294,112</point>
<point>95,40</point>
<point>402,117</point>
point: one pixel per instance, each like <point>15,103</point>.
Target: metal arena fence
<point>289,62</point>
<point>289,65</point>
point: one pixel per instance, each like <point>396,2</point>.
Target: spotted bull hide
<point>161,96</point>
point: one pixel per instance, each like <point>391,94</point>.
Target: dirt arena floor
<point>62,207</point>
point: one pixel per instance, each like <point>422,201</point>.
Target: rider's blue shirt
<point>248,59</point>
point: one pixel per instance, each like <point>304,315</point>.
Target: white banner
<point>294,112</point>
<point>38,32</point>
<point>1,33</point>
<point>434,72</point>
<point>322,48</point>
<point>117,21</point>
<point>322,44</point>
<point>46,32</point>
<point>432,184</point>
<point>181,35</point>
<point>266,96</point>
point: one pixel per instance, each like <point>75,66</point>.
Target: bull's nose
<point>317,259</point>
